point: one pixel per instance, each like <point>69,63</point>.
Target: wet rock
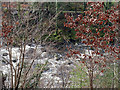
<point>41,61</point>
<point>70,62</point>
<point>43,49</point>
<point>4,62</point>
<point>45,55</point>
<point>5,54</point>
<point>14,60</point>
<point>58,57</point>
<point>31,45</point>
<point>30,51</point>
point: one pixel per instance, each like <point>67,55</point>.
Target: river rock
<point>5,54</point>
<point>45,55</point>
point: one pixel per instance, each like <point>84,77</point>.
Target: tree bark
<point>91,80</point>
<point>119,53</point>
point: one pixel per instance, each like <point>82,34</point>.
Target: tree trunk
<point>91,82</point>
<point>91,78</point>
<point>119,53</point>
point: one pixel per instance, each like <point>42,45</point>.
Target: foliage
<point>97,28</point>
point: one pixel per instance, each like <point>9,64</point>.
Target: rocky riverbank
<point>57,66</point>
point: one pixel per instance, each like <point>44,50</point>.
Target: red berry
<point>104,65</point>
<point>83,62</point>
<point>96,62</point>
<point>102,71</point>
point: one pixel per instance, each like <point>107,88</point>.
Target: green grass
<point>108,80</point>
<point>79,77</point>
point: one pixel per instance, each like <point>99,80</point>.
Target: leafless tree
<point>28,25</point>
